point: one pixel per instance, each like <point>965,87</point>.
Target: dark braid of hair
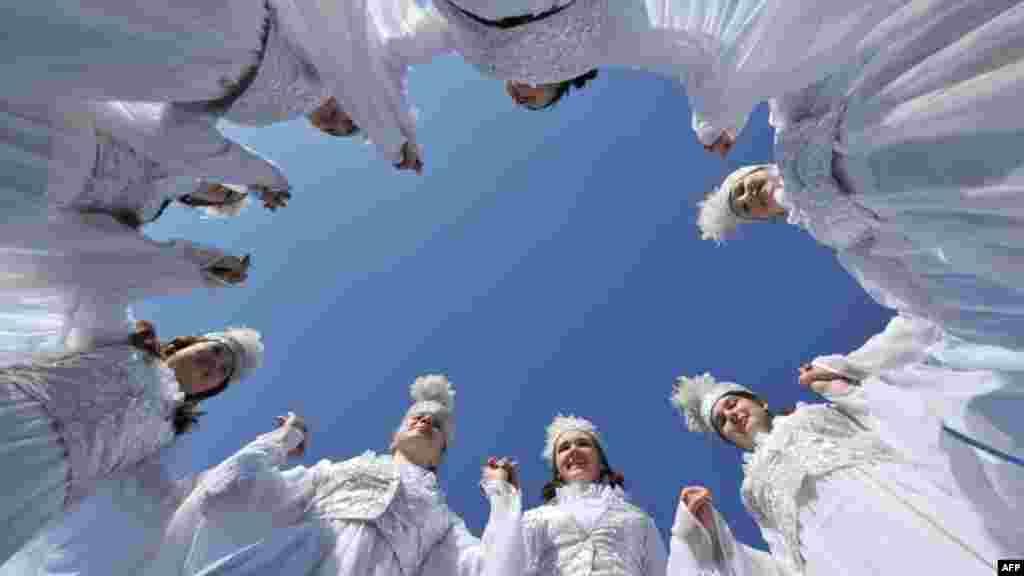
<point>608,474</point>
<point>562,88</point>
<point>186,415</point>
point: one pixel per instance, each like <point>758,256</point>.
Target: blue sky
<point>548,262</point>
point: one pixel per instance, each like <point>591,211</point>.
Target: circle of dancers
<point>899,144</point>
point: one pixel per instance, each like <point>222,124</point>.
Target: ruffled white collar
<point>596,492</point>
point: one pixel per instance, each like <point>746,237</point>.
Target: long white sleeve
<point>904,340</point>
<point>757,50</point>
<point>695,551</point>
<point>250,474</point>
<point>350,45</point>
<point>498,553</point>
<point>655,555</point>
<point>184,138</point>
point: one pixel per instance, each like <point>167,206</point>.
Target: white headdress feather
<point>695,399</point>
<point>248,349</point>
<point>562,424</point>
<point>715,217</point>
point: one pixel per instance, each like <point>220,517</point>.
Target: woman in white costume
<point>374,514</point>
<point>824,487</point>
<point>253,63</point>
<point>730,54</point>
<point>136,511</point>
<point>904,161</point>
<point>72,420</point>
<point>587,524</point>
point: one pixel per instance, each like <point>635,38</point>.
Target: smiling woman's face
<point>739,419</point>
<point>577,458</point>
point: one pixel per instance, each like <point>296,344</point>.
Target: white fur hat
<point>434,394</point>
<point>247,346</point>
<point>562,424</point>
<point>696,397</point>
<point>715,217</point>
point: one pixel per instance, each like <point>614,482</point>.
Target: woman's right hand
<point>504,469</point>
<point>232,269</point>
<point>698,501</point>
<point>410,158</point>
<point>293,420</point>
<point>723,145</point>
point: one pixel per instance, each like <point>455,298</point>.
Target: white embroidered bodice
<point>559,47</point>
<point>415,517</point>
<point>287,85</point>
<point>112,407</point>
<point>558,543</point>
<point>810,443</point>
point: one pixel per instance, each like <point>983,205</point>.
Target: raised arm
<point>904,340</point>
<point>500,551</point>
<point>752,52</point>
<point>185,139</point>
<point>366,73</point>
<point>704,545</point>
<point>251,475</point>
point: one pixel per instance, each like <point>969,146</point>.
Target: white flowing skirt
<point>887,519</point>
<point>933,137</point>
<point>117,50</point>
<point>34,484</point>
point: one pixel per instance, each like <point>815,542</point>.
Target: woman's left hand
<point>723,145</point>
<point>824,381</point>
<point>274,199</point>
<point>698,502</point>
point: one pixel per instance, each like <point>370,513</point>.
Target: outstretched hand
<point>723,145</point>
<point>232,269</point>
<point>410,159</point>
<point>501,469</point>
<point>274,199</point>
<point>823,381</point>
<point>145,338</point>
<point>698,501</point>
<point>293,420</point>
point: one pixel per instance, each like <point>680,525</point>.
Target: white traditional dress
<point>74,420</point>
<point>832,497</point>
<point>906,160</point>
<point>367,515</point>
<point>254,63</point>
<point>730,54</point>
<point>149,519</point>
<point>590,528</point>
<point>957,416</point>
